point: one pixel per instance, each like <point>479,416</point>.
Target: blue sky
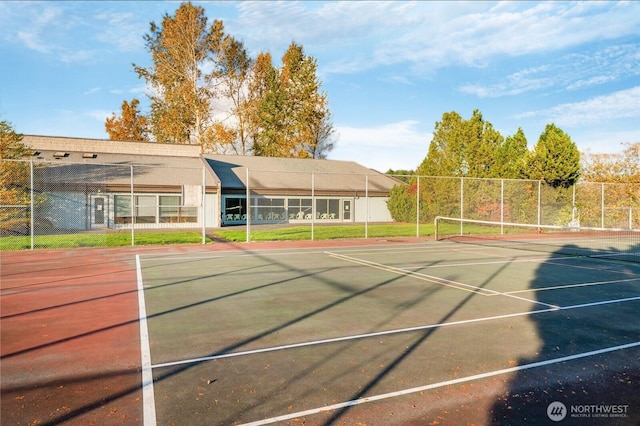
<point>391,69</point>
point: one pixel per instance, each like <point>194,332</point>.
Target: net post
<point>435,228</point>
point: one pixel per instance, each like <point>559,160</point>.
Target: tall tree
<point>555,158</point>
<point>480,146</point>
<point>14,180</point>
<point>511,157</point>
<point>293,114</point>
<point>181,47</point>
<point>322,139</point>
<point>11,146</point>
<point>131,125</point>
<point>445,156</point>
<point>462,147</point>
<point>205,89</point>
<point>262,78</point>
<point>232,74</point>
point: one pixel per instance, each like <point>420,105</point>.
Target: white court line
<point>438,280</point>
<point>387,332</point>
<point>440,384</point>
<point>561,287</point>
<point>148,399</point>
<point>289,251</point>
<point>493,262</point>
<point>345,338</point>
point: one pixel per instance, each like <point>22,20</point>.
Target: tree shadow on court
<point>102,400</point>
<point>339,347</point>
<point>588,358</point>
<point>421,338</point>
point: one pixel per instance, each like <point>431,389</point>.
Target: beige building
<point>93,183</point>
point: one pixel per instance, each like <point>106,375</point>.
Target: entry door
<point>346,209</point>
<point>98,211</point>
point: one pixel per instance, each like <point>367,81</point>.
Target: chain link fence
<point>604,205</point>
<point>44,201</point>
<point>108,204</point>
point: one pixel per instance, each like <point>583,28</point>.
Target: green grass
<point>294,233</point>
<point>332,232</point>
<point>100,240</point>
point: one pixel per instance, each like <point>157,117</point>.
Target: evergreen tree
<point>555,158</point>
<point>511,157</point>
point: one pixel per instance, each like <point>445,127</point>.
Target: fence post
<point>573,204</point>
<point>418,208</point>
<point>31,207</point>
<point>133,209</point>
<point>539,201</point>
<point>366,198</point>
<point>248,208</point>
<point>461,203</point>
<point>602,205</point>
<point>313,204</point>
<point>203,205</point>
<point>501,206</point>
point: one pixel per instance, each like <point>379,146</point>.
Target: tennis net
<point>573,240</point>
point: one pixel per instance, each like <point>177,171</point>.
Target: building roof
<point>80,161</point>
<point>171,165</point>
<point>297,174</point>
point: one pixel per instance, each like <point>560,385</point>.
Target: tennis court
<point>383,333</point>
<point>387,332</point>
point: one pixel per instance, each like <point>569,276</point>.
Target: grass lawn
<point>236,235</point>
<point>239,234</point>
<point>326,232</point>
<point>100,240</point>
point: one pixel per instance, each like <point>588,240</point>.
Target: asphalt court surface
<point>380,334</point>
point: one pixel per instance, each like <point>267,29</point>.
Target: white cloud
<point>609,142</point>
<point>431,35</point>
<point>623,104</point>
<point>400,145</point>
<point>66,31</point>
<point>32,33</point>
<point>123,30</point>
<point>514,84</point>
<point>573,71</point>
<point>98,114</point>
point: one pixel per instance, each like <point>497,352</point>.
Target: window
<point>153,209</point>
<point>300,208</point>
<point>280,209</point>
<point>170,210</point>
<point>145,208</point>
<point>234,209</point>
<point>328,208</point>
<point>270,209</point>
